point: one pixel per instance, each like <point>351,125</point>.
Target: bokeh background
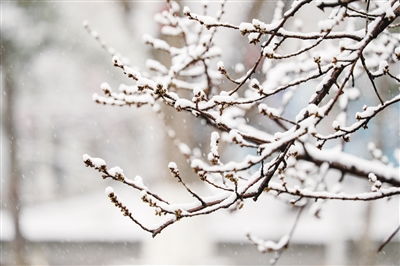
<point>53,209</point>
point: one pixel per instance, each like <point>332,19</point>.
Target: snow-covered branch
<point>311,131</point>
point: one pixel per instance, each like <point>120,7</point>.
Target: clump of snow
<point>369,111</point>
<point>269,246</point>
<point>137,181</point>
<point>397,52</point>
<point>372,177</point>
<point>253,37</point>
<point>267,110</point>
<point>172,165</point>
<point>186,11</point>
<point>117,60</point>
<point>213,156</point>
<point>182,103</point>
<point>96,162</point>
<point>387,8</point>
<point>254,83</point>
<point>109,191</point>
<point>105,86</point>
<point>116,171</point>
<point>246,27</point>
<point>336,125</point>
<point>258,24</point>
<point>234,136</point>
<point>86,157</point>
<point>156,66</point>
<point>268,52</point>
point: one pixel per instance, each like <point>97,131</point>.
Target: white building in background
<point>88,229</point>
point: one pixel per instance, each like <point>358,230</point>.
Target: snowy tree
<point>293,113</point>
<point>16,56</point>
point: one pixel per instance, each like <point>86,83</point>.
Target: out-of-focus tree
<point>305,85</point>
<point>16,53</point>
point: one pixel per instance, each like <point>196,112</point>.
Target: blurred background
<point>53,209</point>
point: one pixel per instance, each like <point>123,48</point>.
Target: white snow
<point>246,27</point>
<point>109,190</point>
<point>116,171</point>
<point>97,162</point>
<point>172,165</point>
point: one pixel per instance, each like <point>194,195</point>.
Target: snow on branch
<point>307,145</point>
